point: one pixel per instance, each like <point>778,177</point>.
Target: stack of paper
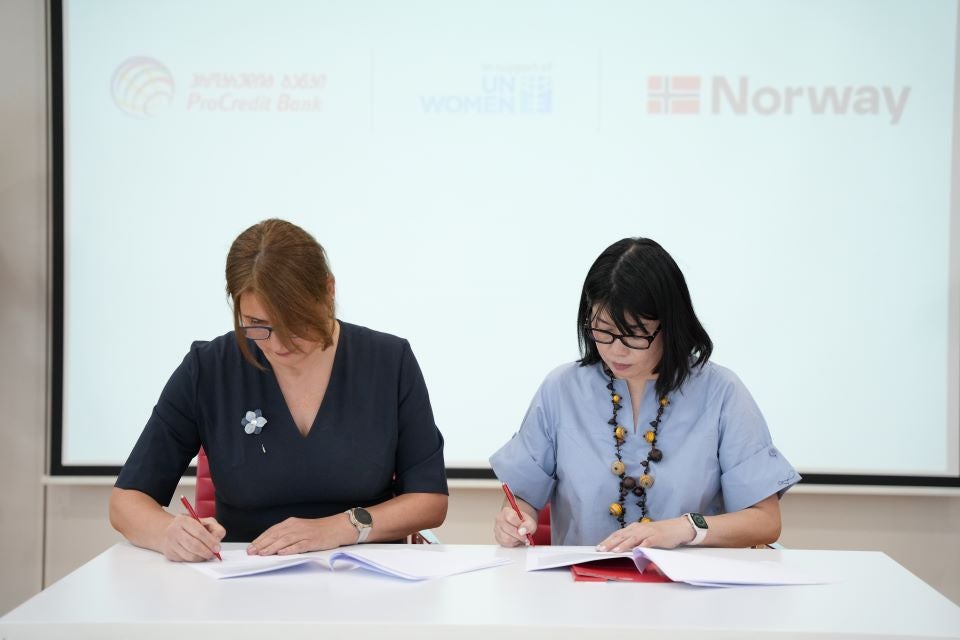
<point>693,566</point>
<point>413,562</point>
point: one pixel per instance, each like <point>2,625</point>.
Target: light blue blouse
<point>717,452</point>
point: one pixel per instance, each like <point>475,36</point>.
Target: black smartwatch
<point>362,521</point>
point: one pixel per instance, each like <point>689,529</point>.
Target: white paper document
<point>549,557</point>
<point>408,562</point>
<point>237,563</point>
<point>693,566</point>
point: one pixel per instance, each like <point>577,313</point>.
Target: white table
<point>131,593</point>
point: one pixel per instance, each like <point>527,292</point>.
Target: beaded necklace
<point>638,486</point>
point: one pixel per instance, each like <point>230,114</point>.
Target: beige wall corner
<point>23,241</point>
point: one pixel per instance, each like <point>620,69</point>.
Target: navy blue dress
<point>374,436</point>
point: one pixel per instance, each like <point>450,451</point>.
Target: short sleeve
<point>527,463</point>
<point>170,440</point>
<point>419,464</point>
<point>751,468</point>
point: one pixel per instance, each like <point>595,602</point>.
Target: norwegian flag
<point>674,95</point>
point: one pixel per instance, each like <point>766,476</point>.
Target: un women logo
<point>142,87</point>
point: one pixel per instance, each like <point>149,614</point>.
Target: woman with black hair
<point>643,441</point>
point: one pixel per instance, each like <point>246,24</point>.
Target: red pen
<point>513,503</point>
<point>193,513</point>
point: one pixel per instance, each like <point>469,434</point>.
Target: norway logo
<point>673,95</point>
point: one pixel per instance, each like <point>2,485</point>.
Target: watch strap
<point>700,533</point>
<point>364,534</point>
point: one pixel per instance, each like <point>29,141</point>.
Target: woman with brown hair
<point>319,433</point>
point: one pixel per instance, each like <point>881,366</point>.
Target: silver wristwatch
<point>362,521</point>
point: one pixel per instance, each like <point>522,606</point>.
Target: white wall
<point>47,531</point>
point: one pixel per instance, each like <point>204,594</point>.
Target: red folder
<point>620,569</point>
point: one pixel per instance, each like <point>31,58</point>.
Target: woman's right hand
<point>509,530</point>
<point>186,540</point>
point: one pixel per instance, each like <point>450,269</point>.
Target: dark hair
<point>637,278</point>
<point>287,270</point>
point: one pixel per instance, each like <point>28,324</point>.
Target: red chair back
<point>204,501</point>
<point>542,535</point>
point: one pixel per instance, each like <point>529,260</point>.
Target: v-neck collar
<point>332,384</point>
<point>620,383</point>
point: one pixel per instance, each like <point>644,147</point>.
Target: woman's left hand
<point>663,534</point>
<point>299,535</point>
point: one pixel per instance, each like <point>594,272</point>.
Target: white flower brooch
<point>253,422</point>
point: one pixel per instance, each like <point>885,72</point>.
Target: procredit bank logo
<point>721,95</point>
<point>142,87</point>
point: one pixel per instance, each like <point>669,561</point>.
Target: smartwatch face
<point>363,516</point>
<point>699,520</point>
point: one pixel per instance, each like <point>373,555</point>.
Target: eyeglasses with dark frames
<point>641,343</point>
<point>257,332</point>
